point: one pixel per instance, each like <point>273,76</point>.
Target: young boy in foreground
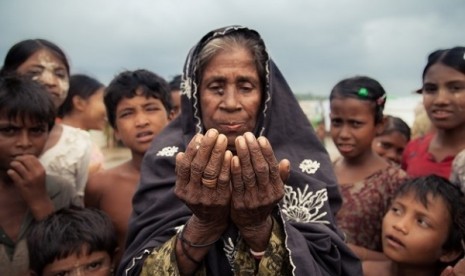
<point>73,241</point>
<point>423,229</point>
<point>138,106</point>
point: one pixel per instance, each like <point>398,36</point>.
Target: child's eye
<point>429,89</point>
<point>62,273</point>
<point>152,108</point>
<point>396,210</point>
<point>336,122</point>
<point>423,223</point>
<point>61,73</point>
<point>356,124</point>
<point>94,265</point>
<point>455,88</point>
<point>8,131</point>
<point>385,145</point>
<point>38,130</point>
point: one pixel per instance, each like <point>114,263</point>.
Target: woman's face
<point>444,96</point>
<point>46,68</point>
<point>230,93</point>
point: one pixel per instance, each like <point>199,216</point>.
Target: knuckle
<point>197,168</point>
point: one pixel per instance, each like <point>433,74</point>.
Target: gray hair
<point>230,41</point>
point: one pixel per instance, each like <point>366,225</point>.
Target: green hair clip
<point>363,92</point>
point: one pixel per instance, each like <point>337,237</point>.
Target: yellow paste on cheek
<point>48,74</point>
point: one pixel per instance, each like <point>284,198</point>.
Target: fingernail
<point>262,141</point>
<point>241,142</point>
<point>249,137</point>
<point>211,132</point>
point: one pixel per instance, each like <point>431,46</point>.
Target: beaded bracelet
<point>257,255</point>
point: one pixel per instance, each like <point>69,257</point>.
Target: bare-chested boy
<point>138,105</point>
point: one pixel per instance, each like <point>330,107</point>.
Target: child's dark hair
<point>69,231</point>
<point>23,98</point>
<point>362,88</point>
<point>393,124</point>
<point>22,50</point>
<point>129,83</point>
<point>79,85</point>
<point>453,57</point>
<point>437,186</point>
<point>175,83</point>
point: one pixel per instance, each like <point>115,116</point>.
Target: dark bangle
<point>183,240</point>
<point>184,251</point>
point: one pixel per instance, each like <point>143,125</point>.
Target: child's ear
<point>171,115</point>
<point>450,256</point>
<point>79,103</point>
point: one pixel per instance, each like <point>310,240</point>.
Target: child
<point>424,227</point>
<point>444,101</point>
<point>367,181</point>
<point>392,141</point>
<point>138,106</point>
<point>67,151</point>
<point>73,241</point>
<point>27,194</point>
<point>84,108</point>
<point>457,175</point>
<point>175,88</point>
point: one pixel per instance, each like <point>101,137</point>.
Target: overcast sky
<point>315,43</point>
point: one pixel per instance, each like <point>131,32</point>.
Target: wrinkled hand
<point>257,185</point>
<point>28,175</point>
<point>203,178</point>
<point>457,270</point>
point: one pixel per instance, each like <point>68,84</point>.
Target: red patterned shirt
<point>364,204</point>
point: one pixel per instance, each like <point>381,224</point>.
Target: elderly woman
<point>214,199</point>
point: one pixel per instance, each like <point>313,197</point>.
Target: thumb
<point>284,169</point>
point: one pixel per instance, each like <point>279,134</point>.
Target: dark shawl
<point>307,211</point>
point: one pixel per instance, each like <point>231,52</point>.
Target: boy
<point>423,229</point>
<point>73,241</point>
<point>175,87</point>
<point>27,195</point>
<point>138,107</point>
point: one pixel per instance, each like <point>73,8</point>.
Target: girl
<point>366,180</point>
<point>67,151</point>
<point>84,108</point>
<point>392,141</point>
<point>444,101</point>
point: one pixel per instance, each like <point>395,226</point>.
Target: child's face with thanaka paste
<point>45,67</point>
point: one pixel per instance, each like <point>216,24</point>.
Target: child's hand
<point>28,175</point>
<point>457,270</point>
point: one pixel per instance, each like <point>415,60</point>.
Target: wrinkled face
<point>230,94</point>
<point>390,146</point>
<point>444,96</point>
<point>352,126</point>
<point>138,121</point>
<point>414,234</point>
<point>43,66</point>
<point>94,264</point>
<point>94,111</point>
<point>20,138</point>
<point>176,101</point>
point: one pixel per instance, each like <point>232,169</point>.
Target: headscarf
<point>306,212</point>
